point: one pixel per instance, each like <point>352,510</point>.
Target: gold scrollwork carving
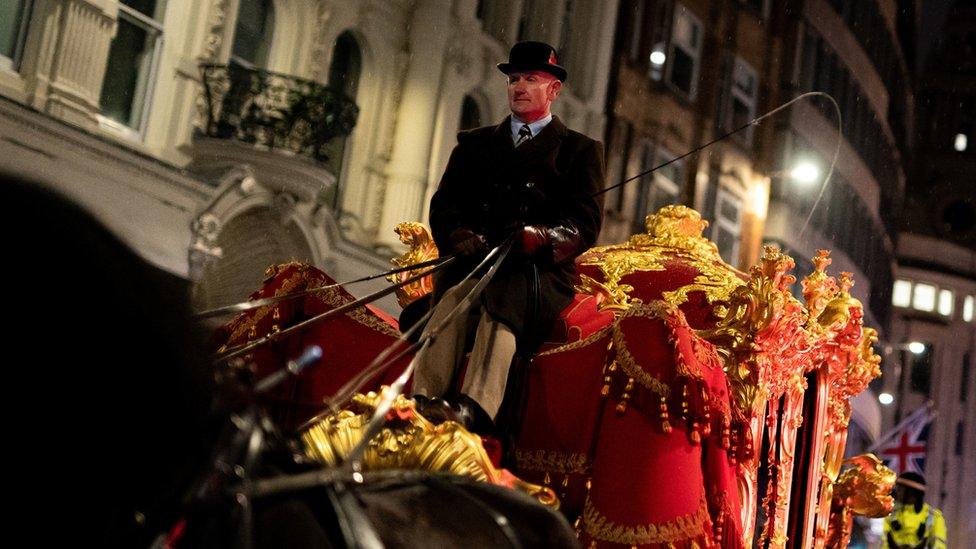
<point>673,233</point>
<point>409,442</point>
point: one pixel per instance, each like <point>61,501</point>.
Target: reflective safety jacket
<point>908,529</point>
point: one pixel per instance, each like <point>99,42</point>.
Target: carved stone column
<point>408,171</point>
<point>502,20</point>
<point>546,21</point>
<point>72,56</point>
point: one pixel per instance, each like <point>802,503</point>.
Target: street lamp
<point>658,58</point>
<point>805,172</point>
<point>886,398</point>
<point>915,347</point>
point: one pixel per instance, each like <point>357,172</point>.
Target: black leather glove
<point>562,242</point>
<point>467,242</point>
<point>532,238</point>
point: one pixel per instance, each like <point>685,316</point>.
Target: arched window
<point>253,33</point>
<point>347,65</point>
<point>250,241</point>
<point>470,114</point>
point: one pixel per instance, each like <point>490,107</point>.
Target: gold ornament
<point>863,490</point>
<point>422,248</point>
<point>674,233</point>
<point>409,441</point>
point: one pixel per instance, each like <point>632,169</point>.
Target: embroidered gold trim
<point>693,526</point>
<point>334,299</point>
<point>630,367</point>
<point>246,321</point>
<point>594,337</point>
<point>553,462</point>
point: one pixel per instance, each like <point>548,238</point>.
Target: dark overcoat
<point>493,188</point>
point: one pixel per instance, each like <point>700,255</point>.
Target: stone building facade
<point>190,127</point>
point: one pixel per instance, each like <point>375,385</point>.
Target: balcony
<point>274,111</point>
<point>290,132</point>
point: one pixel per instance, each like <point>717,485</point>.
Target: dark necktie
<point>524,134</point>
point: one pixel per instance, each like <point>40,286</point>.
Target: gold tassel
<point>622,407</point>
<point>663,407</point>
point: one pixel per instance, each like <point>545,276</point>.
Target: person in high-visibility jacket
<point>914,523</point>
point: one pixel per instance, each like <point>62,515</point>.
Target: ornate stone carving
<point>216,30</point>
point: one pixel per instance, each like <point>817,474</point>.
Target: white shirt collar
<point>536,126</point>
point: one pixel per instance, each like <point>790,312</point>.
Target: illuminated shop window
<point>967,309</point>
<point>924,298</point>
<point>946,298</point>
<point>901,294</point>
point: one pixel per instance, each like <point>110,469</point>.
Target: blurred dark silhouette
<point>105,393</point>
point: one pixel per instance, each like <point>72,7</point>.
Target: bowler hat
<point>533,56</point>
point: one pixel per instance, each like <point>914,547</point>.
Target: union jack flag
<point>904,447</point>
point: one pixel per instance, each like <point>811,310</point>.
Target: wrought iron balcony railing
<point>274,110</point>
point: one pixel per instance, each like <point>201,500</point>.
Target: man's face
<point>531,93</point>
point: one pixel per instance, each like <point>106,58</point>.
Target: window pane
<point>921,374</point>
<point>744,80</point>
<point>150,8</point>
<point>673,171</point>
<point>127,73</point>
<point>945,302</point>
<point>901,294</point>
<point>967,309</point>
<point>727,243</point>
<point>729,209</point>
<point>924,297</point>
<point>253,33</point>
<point>346,65</point>
<point>661,197</point>
<point>11,20</point>
<point>682,70</point>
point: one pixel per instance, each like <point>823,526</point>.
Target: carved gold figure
<point>421,248</point>
<point>865,490</point>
